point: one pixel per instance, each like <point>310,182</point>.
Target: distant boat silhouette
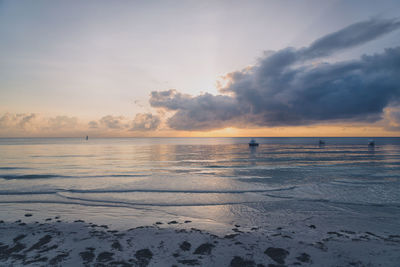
<point>321,142</point>
<point>371,143</point>
<point>253,142</point>
<point>87,137</point>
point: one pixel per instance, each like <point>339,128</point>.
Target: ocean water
<point>214,182</point>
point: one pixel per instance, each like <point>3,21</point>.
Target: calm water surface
<point>213,181</point>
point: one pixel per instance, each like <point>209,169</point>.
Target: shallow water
<point>212,181</point>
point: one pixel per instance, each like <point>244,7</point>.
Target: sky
<point>199,68</point>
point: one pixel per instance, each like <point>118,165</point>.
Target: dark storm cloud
<point>197,113</point>
<point>353,35</point>
<point>281,89</point>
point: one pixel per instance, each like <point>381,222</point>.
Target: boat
<point>321,142</point>
<point>253,142</point>
<point>87,137</point>
<point>371,143</point>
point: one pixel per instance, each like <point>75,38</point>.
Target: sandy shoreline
<point>59,243</point>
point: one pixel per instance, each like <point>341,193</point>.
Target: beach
<point>55,242</point>
<point>200,133</point>
<point>199,202</point>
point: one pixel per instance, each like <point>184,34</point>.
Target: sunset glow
<point>120,70</point>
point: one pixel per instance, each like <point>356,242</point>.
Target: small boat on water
<point>321,142</point>
<point>253,142</point>
<point>371,143</point>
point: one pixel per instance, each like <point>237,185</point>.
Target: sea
<point>213,183</point>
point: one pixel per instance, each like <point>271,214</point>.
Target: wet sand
<point>54,242</point>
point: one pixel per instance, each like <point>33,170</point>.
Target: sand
<point>54,242</point>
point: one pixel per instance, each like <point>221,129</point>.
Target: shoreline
<point>56,242</point>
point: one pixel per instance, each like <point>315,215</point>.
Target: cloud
<point>93,124</point>
<point>114,122</point>
<point>202,112</point>
<point>350,36</point>
<point>391,120</point>
<point>33,124</point>
<point>26,120</point>
<point>62,122</point>
<point>145,122</point>
<point>20,121</point>
<point>283,89</point>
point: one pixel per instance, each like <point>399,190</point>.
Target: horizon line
<point>148,137</point>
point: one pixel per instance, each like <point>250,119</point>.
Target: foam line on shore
<point>183,191</point>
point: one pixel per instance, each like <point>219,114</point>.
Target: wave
<point>32,176</point>
<point>362,182</point>
<point>71,200</point>
<point>63,156</point>
<point>395,205</point>
<point>58,176</point>
<point>183,191</point>
<point>113,203</point>
<point>251,167</point>
<point>13,168</point>
<point>322,200</point>
<point>16,193</point>
<point>131,203</point>
<point>58,202</point>
<point>180,191</point>
<point>114,175</point>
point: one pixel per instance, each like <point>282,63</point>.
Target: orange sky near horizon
<point>336,130</point>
